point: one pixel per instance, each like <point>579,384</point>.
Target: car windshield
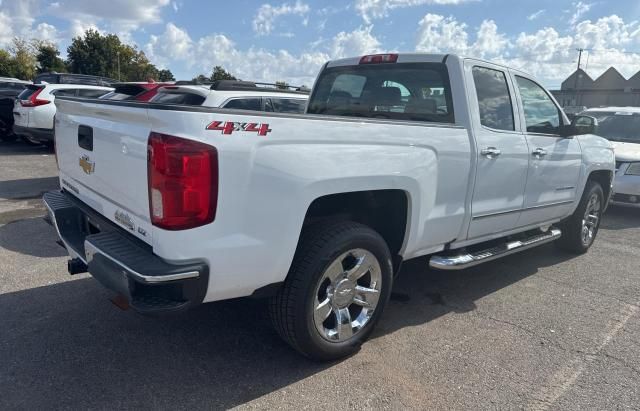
<point>402,91</point>
<point>618,126</point>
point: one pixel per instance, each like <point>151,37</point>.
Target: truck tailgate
<point>102,155</point>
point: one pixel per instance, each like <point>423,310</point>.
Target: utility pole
<point>580,50</point>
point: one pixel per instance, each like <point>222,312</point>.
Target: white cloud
<point>488,41</point>
<point>118,12</point>
<point>354,43</point>
<point>441,34</point>
<point>264,20</point>
<point>6,31</point>
<point>45,31</point>
<point>376,9</point>
<point>535,15</point>
<point>173,45</point>
<point>546,53</point>
<point>579,9</point>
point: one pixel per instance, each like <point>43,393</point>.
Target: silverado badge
<point>124,219</point>
<point>87,165</point>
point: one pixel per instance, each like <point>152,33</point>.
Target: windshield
<point>402,91</point>
<point>617,126</point>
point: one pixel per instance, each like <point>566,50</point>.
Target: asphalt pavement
<point>538,330</point>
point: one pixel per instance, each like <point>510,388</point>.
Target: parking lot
<point>541,329</point>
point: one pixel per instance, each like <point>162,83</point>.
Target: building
<point>610,89</point>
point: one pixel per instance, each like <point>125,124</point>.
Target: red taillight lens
<point>34,101</point>
<point>379,58</point>
<point>183,182</point>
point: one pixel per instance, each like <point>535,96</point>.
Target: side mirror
<point>584,125</point>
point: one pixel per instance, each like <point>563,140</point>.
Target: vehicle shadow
<point>23,233</point>
<point>27,188</point>
<point>66,346</point>
<point>20,148</point>
<point>619,218</point>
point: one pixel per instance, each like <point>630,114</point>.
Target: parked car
<point>137,91</point>
<point>572,111</point>
<point>621,126</point>
<point>71,78</point>
<point>9,90</point>
<point>398,156</point>
<point>239,95</point>
<point>34,108</point>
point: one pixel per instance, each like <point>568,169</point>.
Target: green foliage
<point>106,55</point>
<point>201,78</point>
<point>24,59</point>
<point>47,57</point>
<point>220,73</point>
<point>165,75</point>
<point>7,64</point>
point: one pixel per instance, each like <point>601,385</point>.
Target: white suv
<point>239,95</point>
<point>34,108</point>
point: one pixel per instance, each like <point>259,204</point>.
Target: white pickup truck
<point>398,156</point>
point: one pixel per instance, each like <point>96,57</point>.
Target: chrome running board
<point>461,261</point>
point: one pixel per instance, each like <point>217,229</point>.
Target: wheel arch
<point>385,210</point>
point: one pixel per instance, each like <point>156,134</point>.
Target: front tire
<point>338,285</point>
<point>579,231</point>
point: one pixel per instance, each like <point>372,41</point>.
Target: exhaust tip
<point>76,266</point>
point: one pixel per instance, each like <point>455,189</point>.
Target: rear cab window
<point>398,91</point>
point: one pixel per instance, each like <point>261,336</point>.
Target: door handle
<point>539,152</point>
<point>490,152</point>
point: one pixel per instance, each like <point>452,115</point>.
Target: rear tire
<point>338,285</point>
<point>579,231</point>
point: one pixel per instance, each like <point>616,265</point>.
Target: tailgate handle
<point>85,137</point>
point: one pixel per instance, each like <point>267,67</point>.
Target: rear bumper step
<point>462,261</point>
<point>122,263</point>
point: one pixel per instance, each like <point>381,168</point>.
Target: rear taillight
<point>379,58</point>
<point>183,182</point>
<point>34,101</point>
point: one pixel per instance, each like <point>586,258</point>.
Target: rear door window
<point>494,100</point>
<point>399,91</point>
<point>253,104</point>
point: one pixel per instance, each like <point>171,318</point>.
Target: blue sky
<point>289,40</point>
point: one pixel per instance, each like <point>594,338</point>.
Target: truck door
<point>554,160</point>
<point>502,151</point>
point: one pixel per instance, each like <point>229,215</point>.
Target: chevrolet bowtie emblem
<point>87,165</point>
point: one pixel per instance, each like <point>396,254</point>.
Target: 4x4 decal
<point>228,127</point>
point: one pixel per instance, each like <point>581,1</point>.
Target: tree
<point>7,64</point>
<point>24,59</point>
<point>220,73</point>
<point>165,75</point>
<point>283,85</point>
<point>201,78</point>
<point>47,57</point>
<point>105,55</point>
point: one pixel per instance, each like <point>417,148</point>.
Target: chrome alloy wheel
<point>591,219</point>
<point>347,295</point>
